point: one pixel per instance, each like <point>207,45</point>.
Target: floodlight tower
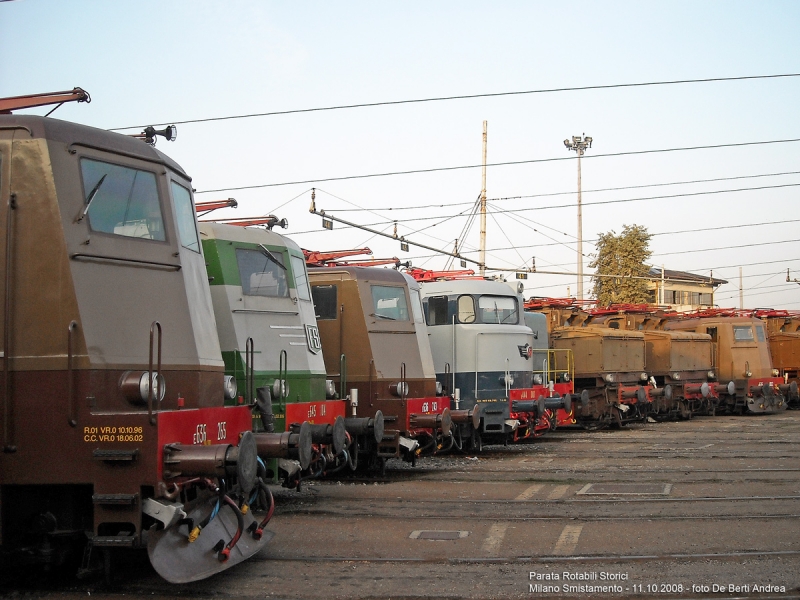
<point>579,144</point>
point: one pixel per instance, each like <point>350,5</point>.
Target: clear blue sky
<point>149,62</point>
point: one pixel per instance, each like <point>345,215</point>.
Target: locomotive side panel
<point>623,353</point>
<point>692,354</point>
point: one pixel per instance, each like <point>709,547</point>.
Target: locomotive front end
<point>115,432</point>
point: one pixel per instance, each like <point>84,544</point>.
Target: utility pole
<point>483,206</point>
<point>579,144</point>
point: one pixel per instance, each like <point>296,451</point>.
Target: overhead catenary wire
<point>598,202</point>
<point>498,164</point>
<point>572,192</point>
<point>467,97</point>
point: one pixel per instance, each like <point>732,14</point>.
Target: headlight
<point>136,386</point>
<point>609,378</point>
<point>280,388</point>
<point>230,387</point>
<point>507,380</point>
<point>776,373</point>
<point>399,389</point>
<point>711,375</point>
<point>643,376</point>
<point>676,376</point>
<point>330,389</point>
<point>439,388</point>
<point>537,379</point>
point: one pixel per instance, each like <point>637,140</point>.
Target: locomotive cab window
<point>760,333</point>
<point>466,309</point>
<point>389,302</point>
<point>185,214</point>
<point>498,310</point>
<point>437,310</point>
<point>300,278</point>
<point>325,305</point>
<point>262,273</point>
<point>743,333</point>
<point>122,200</point>
<point>416,306</point>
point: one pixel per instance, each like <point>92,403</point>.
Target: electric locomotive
<point>375,347</point>
<point>680,363</point>
<point>490,361</point>
<point>610,372</point>
<point>114,429</point>
<point>271,345</point>
<point>741,357</point>
<point>783,333</point>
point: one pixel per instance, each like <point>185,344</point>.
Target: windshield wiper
<point>271,256</point>
<point>383,316</point>
<point>514,312</point>
<point>90,197</point>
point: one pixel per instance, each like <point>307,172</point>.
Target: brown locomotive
<point>742,356</point>
<point>783,333</point>
<point>376,350</point>
<point>114,431</point>
<point>680,363</point>
<point>610,373</point>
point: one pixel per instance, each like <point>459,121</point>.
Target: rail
<point>551,365</point>
<point>72,418</point>
<point>154,326</point>
<point>8,442</point>
<point>283,381</point>
<point>249,359</point>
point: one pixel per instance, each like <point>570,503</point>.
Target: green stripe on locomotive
<point>304,386</point>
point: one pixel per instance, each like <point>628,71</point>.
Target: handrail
<point>8,443</point>
<point>153,326</point>
<point>342,376</point>
<point>371,369</point>
<point>249,359</point>
<point>72,418</point>
<point>283,374</point>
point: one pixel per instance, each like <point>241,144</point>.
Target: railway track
<point>679,506</point>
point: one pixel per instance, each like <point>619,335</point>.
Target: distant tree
<point>625,255</point>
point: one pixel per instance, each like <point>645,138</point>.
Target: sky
<point>158,63</point>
